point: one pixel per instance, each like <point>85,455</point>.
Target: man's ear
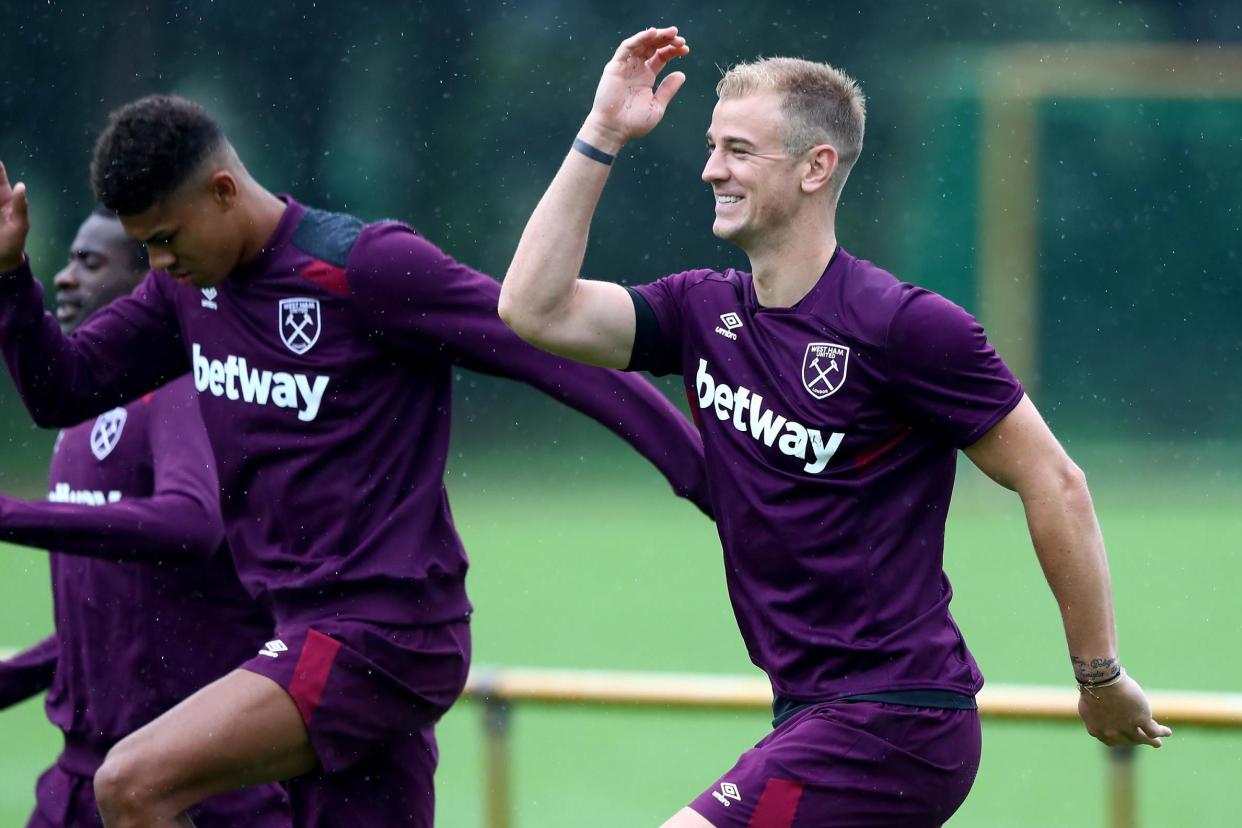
<point>222,185</point>
<point>822,163</point>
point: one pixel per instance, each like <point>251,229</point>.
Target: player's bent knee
<point>687,818</point>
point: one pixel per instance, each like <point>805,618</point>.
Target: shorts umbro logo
<point>727,791</point>
<point>273,648</point>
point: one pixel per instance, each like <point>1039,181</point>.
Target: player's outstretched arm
<point>179,520</point>
<point>29,672</point>
<point>542,298</point>
<point>424,302</point>
<point>168,525</point>
<point>1021,454</point>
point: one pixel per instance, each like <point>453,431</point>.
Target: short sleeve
<point>658,324</point>
<point>944,374</point>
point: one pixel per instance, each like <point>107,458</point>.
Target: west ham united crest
<point>823,368</point>
<point>299,324</point>
<point>107,432</point>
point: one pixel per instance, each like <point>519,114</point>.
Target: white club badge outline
<point>106,432</point>
<point>819,373</point>
<point>299,335</point>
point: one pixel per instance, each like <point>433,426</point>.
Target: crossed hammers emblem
<point>298,329</point>
<point>822,376</point>
<point>824,368</point>
<point>299,324</point>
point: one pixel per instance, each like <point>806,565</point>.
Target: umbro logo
<point>273,648</point>
<point>727,791</point>
<point>209,298</point>
<point>731,323</point>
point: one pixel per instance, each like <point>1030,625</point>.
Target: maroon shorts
<point>851,764</point>
<point>67,800</point>
<point>370,696</point>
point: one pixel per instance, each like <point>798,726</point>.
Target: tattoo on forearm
<point>1095,669</point>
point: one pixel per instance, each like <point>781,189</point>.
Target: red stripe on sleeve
<point>777,805</point>
<point>310,675</point>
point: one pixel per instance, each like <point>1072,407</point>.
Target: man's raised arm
<point>123,351</point>
<point>542,298</point>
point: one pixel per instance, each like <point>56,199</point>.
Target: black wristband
<point>594,153</point>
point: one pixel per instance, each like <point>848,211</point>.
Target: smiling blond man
<point>833,400</point>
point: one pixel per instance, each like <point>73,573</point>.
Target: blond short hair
<point>821,105</point>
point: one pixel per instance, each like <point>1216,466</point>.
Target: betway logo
<point>236,380</point>
<point>62,493</point>
<point>792,439</point>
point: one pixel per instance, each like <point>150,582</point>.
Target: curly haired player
<point>322,350</point>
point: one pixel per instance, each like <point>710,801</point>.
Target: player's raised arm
<point>127,349</point>
<point>1021,454</point>
<point>542,298</point>
<point>14,223</point>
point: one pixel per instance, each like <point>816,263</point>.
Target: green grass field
<point>581,559</point>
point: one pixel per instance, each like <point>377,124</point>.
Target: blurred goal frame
<point>1016,80</point>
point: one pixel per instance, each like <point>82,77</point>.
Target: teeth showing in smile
<point>728,199</point>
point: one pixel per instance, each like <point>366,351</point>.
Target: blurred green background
<point>453,117</point>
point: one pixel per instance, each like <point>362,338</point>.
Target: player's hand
<point>14,223</point>
<point>628,104</point>
<point>1119,715</point>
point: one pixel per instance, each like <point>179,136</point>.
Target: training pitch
<point>580,558</point>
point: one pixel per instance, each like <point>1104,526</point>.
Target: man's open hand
<point>627,102</point>
<point>14,222</point>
